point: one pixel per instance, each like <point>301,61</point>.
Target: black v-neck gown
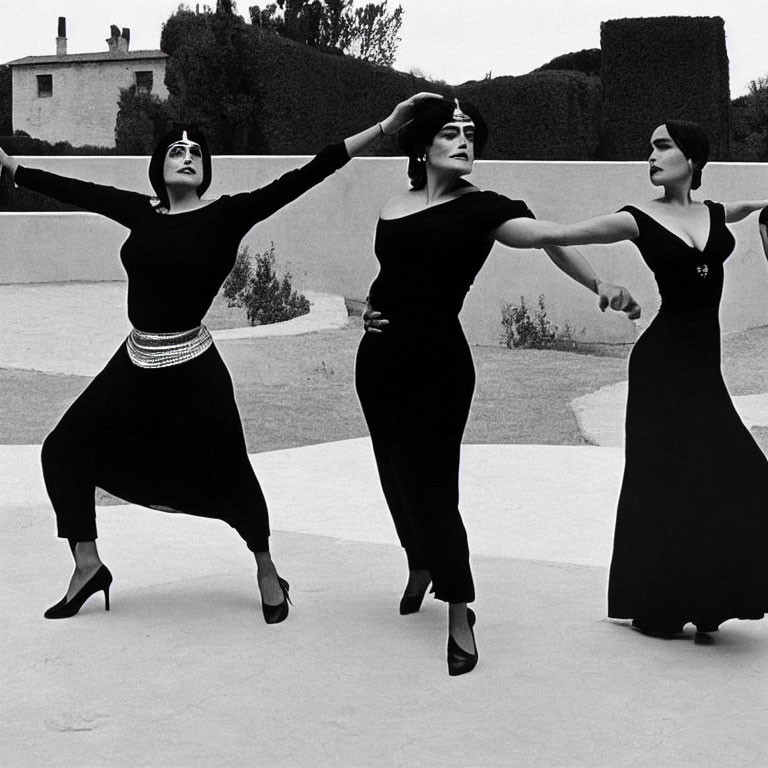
<point>166,438</point>
<point>692,522</point>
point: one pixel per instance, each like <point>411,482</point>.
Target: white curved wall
<point>325,238</point>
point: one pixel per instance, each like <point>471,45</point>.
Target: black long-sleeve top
<point>176,263</point>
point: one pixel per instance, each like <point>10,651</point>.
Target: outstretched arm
<point>741,209</point>
<point>557,239</point>
<point>538,233</point>
<point>570,261</point>
<point>117,204</point>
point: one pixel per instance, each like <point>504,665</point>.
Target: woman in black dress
<point>692,521</point>
<point>159,426</point>
<point>414,378</point>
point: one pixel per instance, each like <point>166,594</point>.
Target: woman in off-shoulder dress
<point>414,372</point>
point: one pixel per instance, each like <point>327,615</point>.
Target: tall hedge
<point>546,115</point>
<point>319,97</point>
<point>307,97</point>
<point>586,61</point>
<point>671,67</point>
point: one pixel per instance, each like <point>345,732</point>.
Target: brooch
<point>703,270</point>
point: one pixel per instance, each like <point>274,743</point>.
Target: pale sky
<point>451,40</point>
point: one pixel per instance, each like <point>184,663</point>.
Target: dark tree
<point>142,118</point>
<point>369,33</point>
<point>211,75</point>
<point>6,98</point>
<point>375,33</point>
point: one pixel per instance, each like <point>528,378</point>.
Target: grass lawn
<point>299,390</point>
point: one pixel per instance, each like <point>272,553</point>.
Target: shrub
<point>253,284</point>
<point>237,280</point>
<point>142,118</point>
<point>523,329</point>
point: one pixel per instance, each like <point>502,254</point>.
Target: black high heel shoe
<point>99,582</point>
<point>460,661</point>
<point>412,603</point>
<point>274,614</point>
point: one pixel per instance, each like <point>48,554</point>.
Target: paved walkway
<point>75,328</point>
<point>600,414</point>
<point>183,671</point>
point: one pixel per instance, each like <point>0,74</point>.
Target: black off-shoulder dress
<point>415,379</point>
<point>168,438</point>
<point>692,523</point>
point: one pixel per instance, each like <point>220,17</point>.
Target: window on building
<point>44,86</point>
<point>144,82</point>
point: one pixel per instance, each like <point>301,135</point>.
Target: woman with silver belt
<point>159,425</point>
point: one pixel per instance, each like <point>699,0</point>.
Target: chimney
<point>114,34</point>
<point>61,40</point>
<point>125,40</point>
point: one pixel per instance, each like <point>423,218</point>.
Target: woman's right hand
<point>373,322</point>
<point>402,114</point>
<point>618,298</point>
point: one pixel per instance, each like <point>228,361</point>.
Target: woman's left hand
<point>619,298</point>
<point>402,114</point>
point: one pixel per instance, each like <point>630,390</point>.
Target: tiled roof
<point>70,58</point>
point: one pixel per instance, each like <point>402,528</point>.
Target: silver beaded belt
<point>162,350</point>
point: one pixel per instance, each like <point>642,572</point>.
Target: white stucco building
<point>73,97</point>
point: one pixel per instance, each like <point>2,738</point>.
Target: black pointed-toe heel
<point>99,582</point>
<point>460,661</point>
<point>412,603</point>
<point>274,614</point>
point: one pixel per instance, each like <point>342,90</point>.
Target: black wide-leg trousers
<point>169,438</point>
<point>415,388</point>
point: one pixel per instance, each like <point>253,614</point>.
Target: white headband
<point>458,116</point>
<point>184,142</point>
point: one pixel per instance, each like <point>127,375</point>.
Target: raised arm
<point>399,117</point>
<point>248,208</point>
<point>741,209</point>
<point>538,233</point>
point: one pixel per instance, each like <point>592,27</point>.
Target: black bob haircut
<point>693,143</point>
<point>157,162</point>
<point>429,116</point>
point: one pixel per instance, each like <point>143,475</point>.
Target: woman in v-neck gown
<point>692,521</point>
